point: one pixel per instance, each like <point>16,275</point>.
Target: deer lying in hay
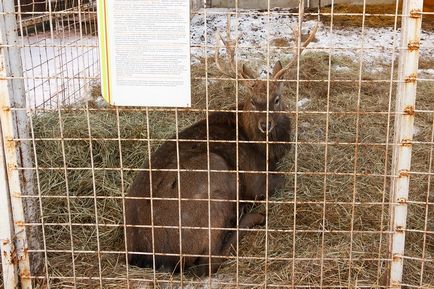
<point>204,210</point>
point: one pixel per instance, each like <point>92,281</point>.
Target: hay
<point>377,16</point>
<point>310,187</point>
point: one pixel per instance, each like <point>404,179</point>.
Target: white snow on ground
<point>62,67</point>
<point>426,73</point>
<point>256,31</point>
<point>302,102</point>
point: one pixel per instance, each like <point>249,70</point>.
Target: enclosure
<point>357,207</point>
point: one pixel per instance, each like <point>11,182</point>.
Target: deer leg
<point>201,267</point>
<point>248,220</point>
<point>276,182</point>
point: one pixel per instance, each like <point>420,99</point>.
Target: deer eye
<point>253,103</point>
<point>277,100</point>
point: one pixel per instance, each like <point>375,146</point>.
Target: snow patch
<point>302,102</point>
<point>255,31</point>
<point>339,68</point>
<point>416,131</point>
<point>428,73</point>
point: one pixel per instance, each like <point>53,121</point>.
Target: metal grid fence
<point>59,50</point>
<point>356,209</point>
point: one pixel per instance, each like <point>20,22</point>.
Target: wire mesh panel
<point>285,158</point>
<point>59,48</point>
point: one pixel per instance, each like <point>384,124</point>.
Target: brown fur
<point>194,187</point>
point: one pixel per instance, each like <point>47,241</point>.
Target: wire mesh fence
<point>59,51</point>
<point>347,195</point>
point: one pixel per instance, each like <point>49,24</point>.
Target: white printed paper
<point>145,52</point>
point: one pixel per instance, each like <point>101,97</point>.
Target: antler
<point>305,43</point>
<point>230,55</point>
<point>245,73</point>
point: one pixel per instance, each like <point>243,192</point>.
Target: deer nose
<point>262,125</point>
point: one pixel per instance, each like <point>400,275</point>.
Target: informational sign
<point>145,52</point>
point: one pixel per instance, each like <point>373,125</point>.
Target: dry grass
<point>378,16</point>
<point>309,189</point>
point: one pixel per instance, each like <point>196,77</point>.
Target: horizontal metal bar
<point>204,282</point>
<point>160,140</point>
<point>319,173</point>
<point>221,256</point>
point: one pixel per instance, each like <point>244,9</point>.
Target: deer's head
<point>264,97</point>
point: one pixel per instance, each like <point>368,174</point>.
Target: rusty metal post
<point>9,266</point>
<point>404,120</point>
<point>15,128</point>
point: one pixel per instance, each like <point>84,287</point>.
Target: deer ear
<point>247,72</point>
<point>249,84</point>
<point>279,87</point>
<point>277,67</point>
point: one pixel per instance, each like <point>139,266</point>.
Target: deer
<point>189,206</point>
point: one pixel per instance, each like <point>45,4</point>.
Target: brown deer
<point>192,217</point>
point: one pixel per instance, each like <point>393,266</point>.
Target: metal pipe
<point>9,268</point>
<point>404,120</point>
<point>14,125</point>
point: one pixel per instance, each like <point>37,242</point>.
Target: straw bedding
<point>338,203</point>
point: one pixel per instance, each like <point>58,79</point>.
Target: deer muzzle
<point>263,127</point>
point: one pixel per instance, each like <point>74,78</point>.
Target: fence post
<point>15,136</point>
<point>404,120</point>
<point>9,267</point>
